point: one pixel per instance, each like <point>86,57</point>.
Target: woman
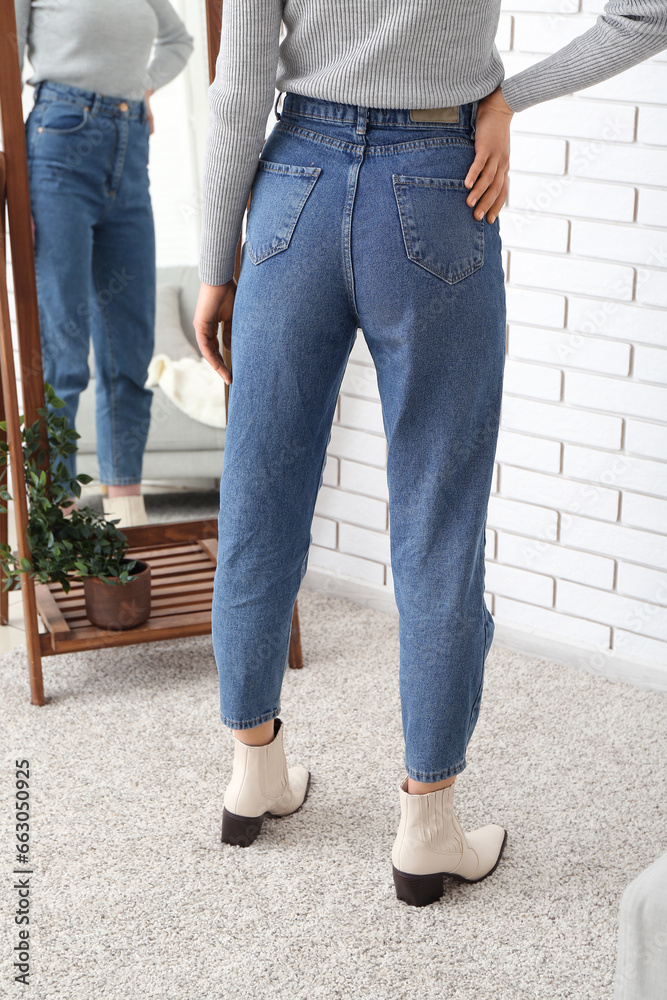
<point>374,204</point>
<point>87,141</point>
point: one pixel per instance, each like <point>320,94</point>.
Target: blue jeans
<point>95,263</point>
<point>358,220</point>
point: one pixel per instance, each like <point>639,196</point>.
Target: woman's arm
<point>240,99</point>
<point>628,32</point>
<point>173,46</point>
<point>22,9</point>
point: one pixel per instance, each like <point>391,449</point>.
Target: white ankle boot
<point>430,843</point>
<point>130,509</point>
<point>262,785</point>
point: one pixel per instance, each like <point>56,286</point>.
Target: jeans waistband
<point>98,104</point>
<point>361,116</point>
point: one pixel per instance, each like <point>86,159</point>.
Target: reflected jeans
<point>358,220</point>
<point>95,263</point>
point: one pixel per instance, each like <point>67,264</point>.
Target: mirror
<point>89,256</point>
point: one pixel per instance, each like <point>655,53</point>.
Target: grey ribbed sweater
<point>101,46</point>
<point>385,54</point>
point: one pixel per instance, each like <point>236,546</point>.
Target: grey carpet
<point>135,896</point>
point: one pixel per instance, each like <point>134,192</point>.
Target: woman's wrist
<point>149,113</point>
<point>213,290</point>
<point>496,102</point>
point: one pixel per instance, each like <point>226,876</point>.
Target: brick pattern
<point>577,526</point>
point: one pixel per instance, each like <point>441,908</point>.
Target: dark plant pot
<point>117,606</point>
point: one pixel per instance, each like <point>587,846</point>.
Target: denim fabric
<point>358,220</point>
<point>95,262</point>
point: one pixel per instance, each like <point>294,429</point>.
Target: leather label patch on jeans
<point>435,114</point>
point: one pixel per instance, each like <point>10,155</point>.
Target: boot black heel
<point>429,836</point>
<point>240,831</point>
<point>418,890</point>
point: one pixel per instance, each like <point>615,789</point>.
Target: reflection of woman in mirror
<point>87,140</point>
<point>374,205</point>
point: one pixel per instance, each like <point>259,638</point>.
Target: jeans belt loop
<point>275,107</point>
<point>362,119</point>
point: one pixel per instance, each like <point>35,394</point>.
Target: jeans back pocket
<point>278,195</point>
<point>440,231</point>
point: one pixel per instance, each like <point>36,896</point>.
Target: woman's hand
<point>214,306</point>
<point>488,173</point>
<point>149,113</point>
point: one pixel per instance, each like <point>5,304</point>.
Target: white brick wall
<point>577,526</point>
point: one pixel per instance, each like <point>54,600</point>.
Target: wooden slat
<point>210,546</point>
<point>165,585</point>
<point>159,587</point>
<point>95,638</point>
<point>50,613</point>
<point>163,552</point>
<point>180,565</point>
<point>168,611</point>
<point>167,576</point>
<point>201,585</point>
<point>141,552</point>
<point>143,535</point>
<point>181,604</point>
<point>160,557</point>
<point>197,623</point>
<point>162,586</point>
<point>158,611</point>
<point>77,616</point>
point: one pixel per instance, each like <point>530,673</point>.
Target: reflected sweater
<point>101,46</point>
<point>383,54</point>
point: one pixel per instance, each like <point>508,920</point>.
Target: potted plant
<point>82,544</point>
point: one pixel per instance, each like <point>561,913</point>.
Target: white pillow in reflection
<point>192,385</point>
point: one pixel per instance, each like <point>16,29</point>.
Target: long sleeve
<point>22,9</point>
<point>173,46</point>
<point>626,33</point>
<point>240,100</point>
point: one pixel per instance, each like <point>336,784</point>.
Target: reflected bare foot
<point>68,508</point>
